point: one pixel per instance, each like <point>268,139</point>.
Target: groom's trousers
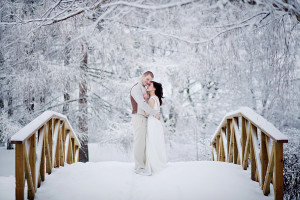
<point>139,123</point>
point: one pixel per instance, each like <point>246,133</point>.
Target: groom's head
<point>147,78</point>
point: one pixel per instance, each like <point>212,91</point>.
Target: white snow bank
<point>181,180</point>
<point>256,119</point>
<point>37,123</point>
<point>7,162</point>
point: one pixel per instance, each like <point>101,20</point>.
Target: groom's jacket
<point>139,105</point>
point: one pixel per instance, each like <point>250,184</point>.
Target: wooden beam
<point>73,149</point>
<point>43,165</point>
<point>278,171</point>
<point>50,142</point>
<point>252,162</point>
<point>269,175</point>
<point>243,137</point>
<point>61,152</point>
<point>20,179</point>
<point>218,147</point>
<point>57,152</point>
<point>228,134</point>
<point>32,158</point>
<point>252,154</point>
<point>263,158</point>
<point>47,151</point>
<point>247,148</point>
<point>28,176</point>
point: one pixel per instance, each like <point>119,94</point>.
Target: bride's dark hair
<point>159,91</point>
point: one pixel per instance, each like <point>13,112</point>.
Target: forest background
<point>81,58</point>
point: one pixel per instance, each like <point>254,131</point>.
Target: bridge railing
<point>242,133</point>
<point>45,143</point>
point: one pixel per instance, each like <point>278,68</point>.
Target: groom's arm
<point>137,94</point>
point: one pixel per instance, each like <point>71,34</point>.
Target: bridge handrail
<point>46,142</point>
<point>242,133</point>
<point>257,120</point>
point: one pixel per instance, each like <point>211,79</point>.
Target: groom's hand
<point>157,116</point>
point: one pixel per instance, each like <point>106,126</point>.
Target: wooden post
<point>269,174</point>
<point>243,137</point>
<point>252,155</point>
<point>47,151</point>
<point>247,149</point>
<point>28,176</point>
<point>278,171</point>
<point>50,135</point>
<point>32,158</point>
<point>69,156</point>
<point>42,168</point>
<point>252,160</point>
<point>228,134</point>
<point>64,141</point>
<point>57,152</point>
<point>263,158</point>
<point>218,147</point>
<point>61,144</point>
<point>20,179</point>
<point>73,149</point>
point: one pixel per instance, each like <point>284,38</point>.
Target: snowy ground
<point>115,180</point>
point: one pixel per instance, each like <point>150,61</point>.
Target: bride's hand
<point>157,116</point>
<point>147,115</point>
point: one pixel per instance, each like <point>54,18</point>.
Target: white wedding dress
<point>156,158</point>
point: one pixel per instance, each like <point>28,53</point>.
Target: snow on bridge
<point>180,180</point>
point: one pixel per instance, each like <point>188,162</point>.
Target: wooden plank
<point>64,141</point>
<point>32,158</point>
<point>256,151</point>
<point>228,136</point>
<point>218,147</point>
<point>47,151</point>
<point>19,167</point>
<point>269,175</point>
<point>278,171</point>
<point>238,141</point>
<point>235,141</point>
<point>69,157</point>
<point>224,143</point>
<point>247,149</point>
<point>43,164</point>
<point>57,151</point>
<point>73,149</point>
<point>61,152</point>
<point>252,160</point>
<point>243,137</point>
<point>50,141</point>
<point>28,176</point>
<point>263,158</point>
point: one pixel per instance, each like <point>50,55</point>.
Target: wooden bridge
<point>49,142</point>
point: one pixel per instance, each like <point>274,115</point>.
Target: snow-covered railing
<point>244,132</point>
<point>46,142</point>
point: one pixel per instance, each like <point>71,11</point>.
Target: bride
<point>156,158</point>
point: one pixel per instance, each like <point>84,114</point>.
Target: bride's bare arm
<point>151,104</point>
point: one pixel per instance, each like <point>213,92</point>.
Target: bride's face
<point>150,87</point>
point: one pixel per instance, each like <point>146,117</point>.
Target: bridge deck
<point>181,180</point>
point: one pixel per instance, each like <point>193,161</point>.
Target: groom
<point>138,95</point>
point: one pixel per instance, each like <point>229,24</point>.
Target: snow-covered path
<point>181,180</point>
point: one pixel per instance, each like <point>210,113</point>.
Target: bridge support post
<point>278,171</point>
<point>20,179</point>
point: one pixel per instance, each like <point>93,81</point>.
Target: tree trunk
<point>83,109</point>
<point>67,81</point>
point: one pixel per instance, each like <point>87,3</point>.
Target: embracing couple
<point>149,143</point>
